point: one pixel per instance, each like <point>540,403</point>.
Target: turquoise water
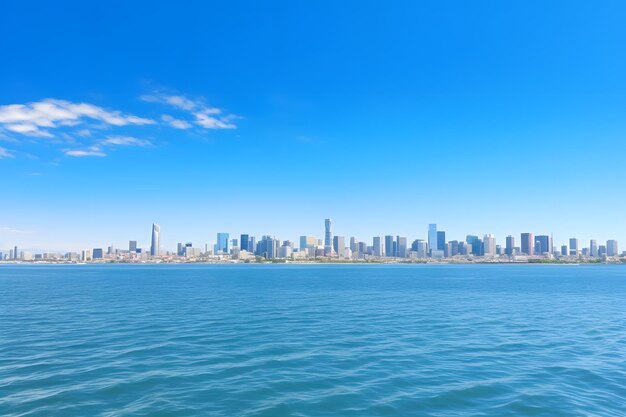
<point>313,340</point>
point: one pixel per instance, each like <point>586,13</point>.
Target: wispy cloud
<point>176,123</point>
<point>203,115</point>
<point>4,229</point>
<point>5,153</point>
<point>125,141</point>
<point>38,118</point>
<point>80,153</point>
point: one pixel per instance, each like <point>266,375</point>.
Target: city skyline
<point>398,115</point>
<point>434,244</point>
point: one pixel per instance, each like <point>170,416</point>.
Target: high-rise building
<point>441,240</point>
<point>222,243</point>
<point>328,237</point>
<point>527,244</point>
<point>155,246</point>
<point>432,236</point>
<point>489,244</point>
<point>245,242</point>
<point>389,246</point>
<point>377,246</point>
<point>573,247</point>
<point>611,248</point>
<point>96,253</point>
<point>475,245</point>
<point>16,254</point>
<point>339,244</point>
<point>132,246</point>
<point>564,250</point>
<point>593,248</point>
<point>401,247</point>
<point>543,244</point>
<point>510,244</point>
<point>354,245</point>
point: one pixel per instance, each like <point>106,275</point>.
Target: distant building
<point>543,244</point>
<point>489,244</point>
<point>432,236</point>
<point>222,243</point>
<point>328,237</point>
<point>132,246</point>
<point>156,240</point>
<point>573,246</point>
<point>611,248</point>
<point>339,244</point>
<point>564,250</point>
<point>527,244</point>
<point>377,246</point>
<point>97,253</point>
<point>389,246</point>
<point>401,247</point>
<point>593,248</point>
<point>474,245</point>
<point>510,244</point>
<point>244,242</point>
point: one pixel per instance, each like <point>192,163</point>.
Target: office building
<point>489,245</point>
<point>389,246</point>
<point>97,253</point>
<point>593,248</point>
<point>510,244</point>
<point>328,237</point>
<point>377,246</point>
<point>611,248</point>
<point>244,242</point>
<point>132,246</point>
<point>527,244</point>
<point>432,236</point>
<point>339,244</point>
<point>543,244</point>
<point>573,247</point>
<point>222,243</point>
<point>155,245</point>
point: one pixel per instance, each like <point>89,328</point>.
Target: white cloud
<point>125,141</point>
<point>33,119</point>
<point>210,122</point>
<point>12,230</point>
<point>5,153</point>
<point>91,151</point>
<point>177,123</point>
<point>205,116</point>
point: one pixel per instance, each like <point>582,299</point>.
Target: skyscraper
<point>401,247</point>
<point>389,246</point>
<point>156,240</point>
<point>527,244</point>
<point>441,240</point>
<point>328,237</point>
<point>222,243</point>
<point>132,246</point>
<point>593,248</point>
<point>489,243</point>
<point>510,244</point>
<point>543,244</point>
<point>339,245</point>
<point>573,246</point>
<point>611,248</point>
<point>377,246</point>
<point>432,237</point>
<point>245,242</point>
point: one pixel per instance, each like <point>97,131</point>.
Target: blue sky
<point>484,117</point>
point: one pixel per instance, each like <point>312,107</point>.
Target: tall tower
<point>328,237</point>
<point>156,240</point>
<point>432,237</point>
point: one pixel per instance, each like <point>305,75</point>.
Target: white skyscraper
<point>432,237</point>
<point>156,240</point>
<point>489,241</point>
